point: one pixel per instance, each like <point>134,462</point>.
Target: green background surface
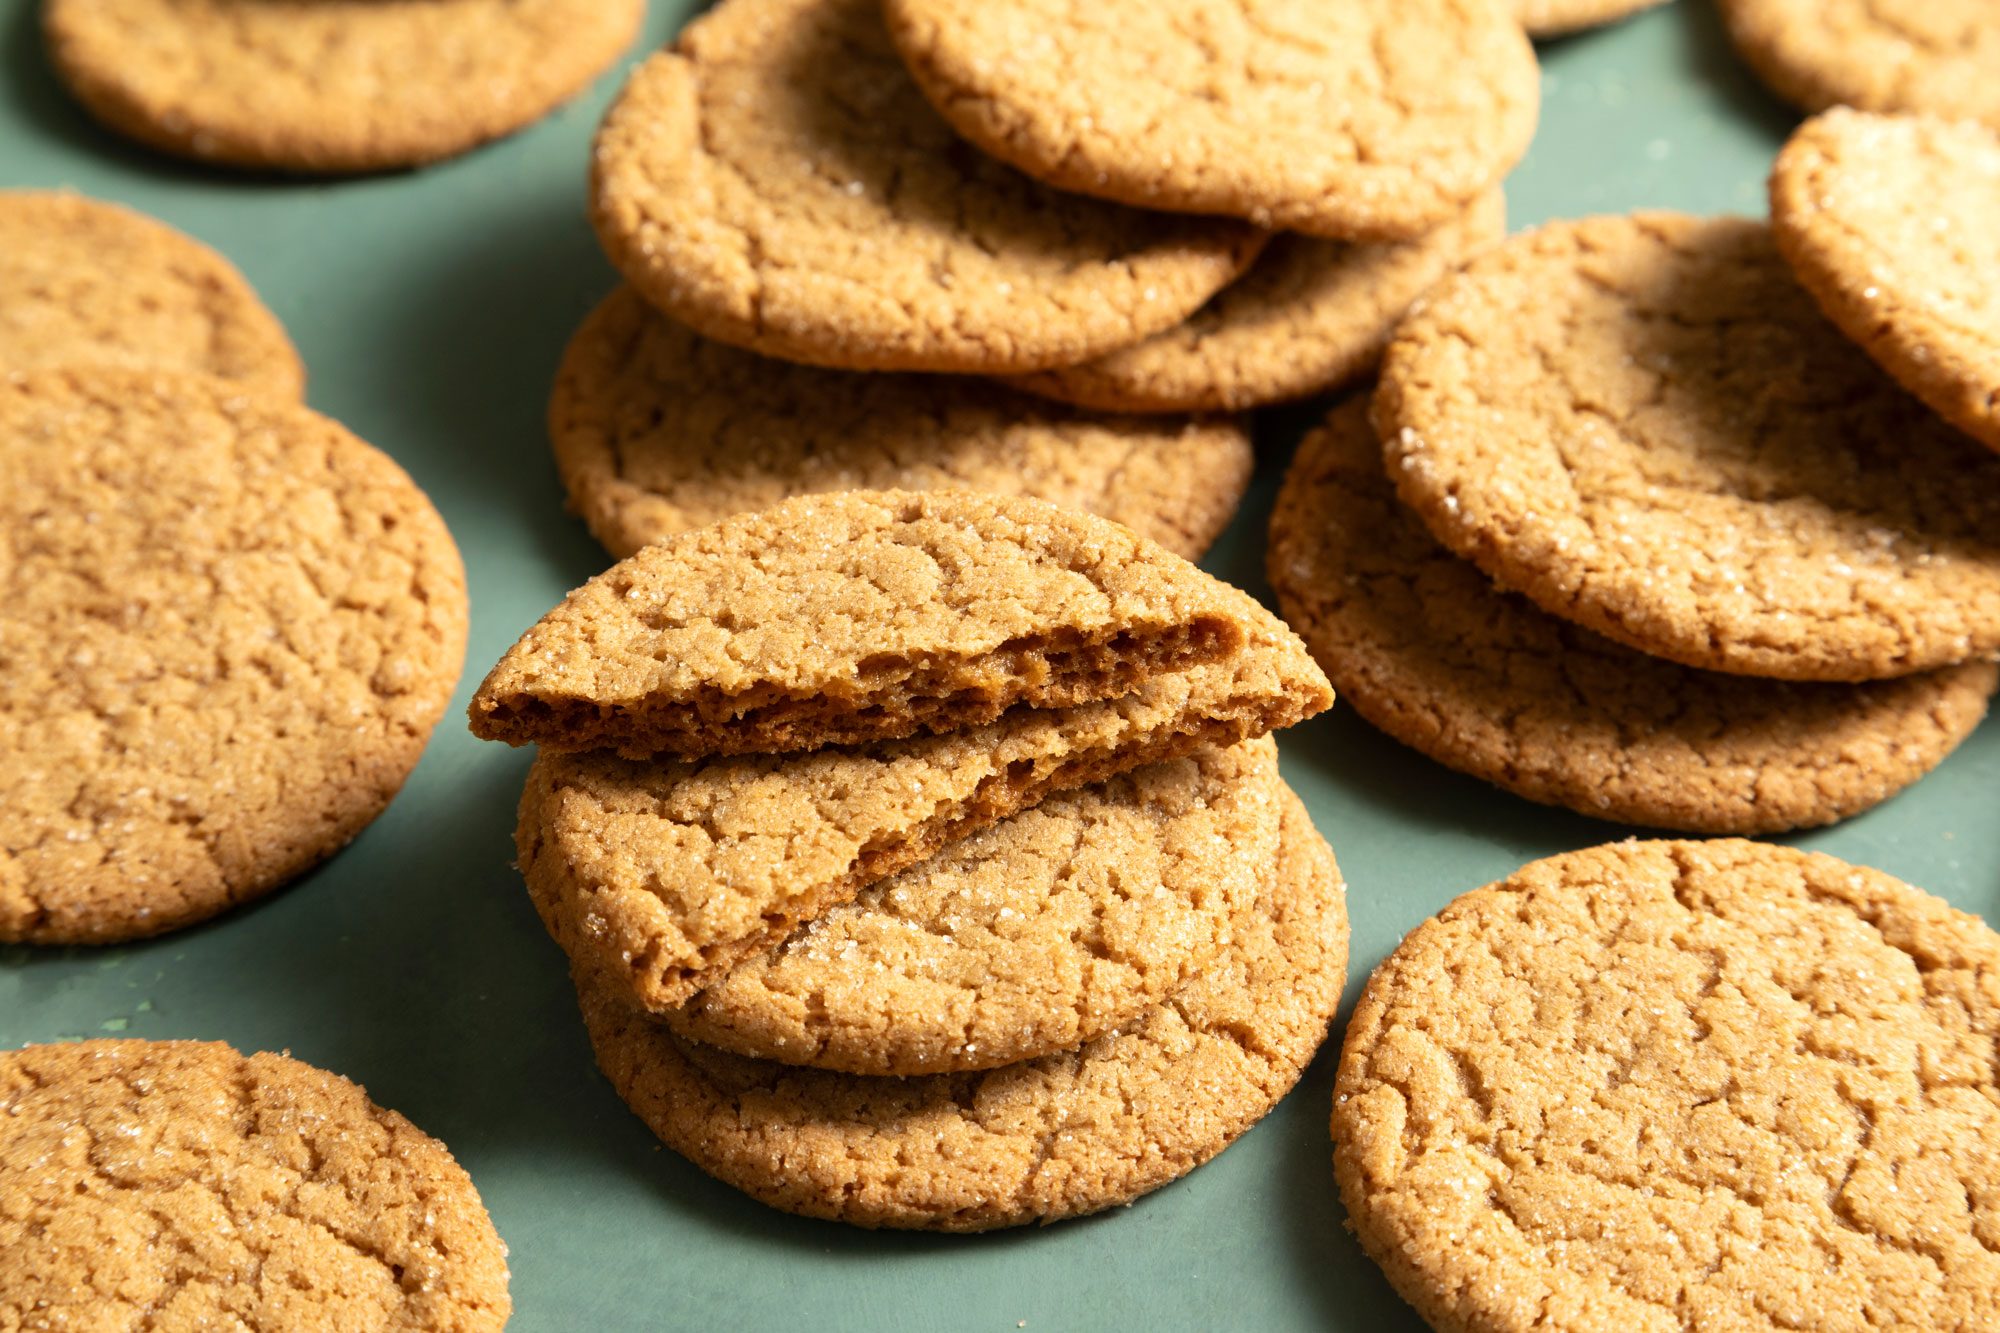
<point>431,309</point>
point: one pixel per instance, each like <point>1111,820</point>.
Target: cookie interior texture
<point>663,876</point>
<point>178,1184</point>
<point>853,617</point>
<point>1032,1142</point>
<point>1673,1084</point>
<point>1028,937</point>
<point>1425,647</point>
<point>658,430</point>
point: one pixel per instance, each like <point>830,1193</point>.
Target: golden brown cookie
<point>179,1185</point>
<point>1554,18</point>
<point>1887,222</point>
<point>1669,1085</point>
<point>855,616</point>
<point>666,875</point>
<point>1426,648</point>
<point>1033,1142</point>
<point>1029,937</point>
<point>89,283</point>
<point>658,430</point>
<point>1644,424</point>
<point>1309,316</point>
<point>775,181</point>
<point>227,629</point>
<point>330,85</point>
<point>1940,57</point>
<point>1370,119</point>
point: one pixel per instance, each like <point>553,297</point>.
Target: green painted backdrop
<point>431,309</point>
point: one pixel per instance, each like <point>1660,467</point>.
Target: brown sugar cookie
<point>1029,937</point>
<point>89,283</point>
<point>1033,1142</point>
<point>1427,649</point>
<point>179,1185</point>
<point>1669,1085</point>
<point>1886,220</point>
<point>1310,315</point>
<point>329,85</point>
<point>667,875</point>
<point>658,430</point>
<point>1644,424</point>
<point>227,629</point>
<point>775,181</point>
<point>1940,57</point>
<point>856,616</point>
<point>1372,119</point>
<point>1554,18</point>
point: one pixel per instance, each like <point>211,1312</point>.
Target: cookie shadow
<point>1711,59</point>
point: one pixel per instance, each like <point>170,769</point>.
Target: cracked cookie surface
<point>1372,119</point>
<point>775,181</point>
<point>178,1184</point>
<point>1032,1142</point>
<point>1430,651</point>
<point>227,628</point>
<point>1554,18</point>
<point>1887,222</point>
<point>83,282</point>
<point>658,430</point>
<point>1663,1085</point>
<point>1940,57</point>
<point>856,616</point>
<point>1031,936</point>
<point>330,85</point>
<point>1645,425</point>
<point>1310,315</point>
<point>665,875</point>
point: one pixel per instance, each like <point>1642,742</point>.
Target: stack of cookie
<point>1030,193</point>
<point>1745,581</point>
<point>922,858</point>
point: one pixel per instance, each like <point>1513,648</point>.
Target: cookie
<point>856,616</point>
<point>1310,315</point>
<point>1940,57</point>
<point>775,181</point>
<point>1670,1085</point>
<point>329,85</point>
<point>667,875</point>
<point>90,283</point>
<point>1427,649</point>
<point>177,1184</point>
<point>1644,424</point>
<point>658,430</point>
<point>1032,1142</point>
<point>1373,119</point>
<point>228,627</point>
<point>1033,936</point>
<point>1555,18</point>
<point>1884,219</point>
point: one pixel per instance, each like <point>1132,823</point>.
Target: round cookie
<point>1370,119</point>
<point>1032,1142</point>
<point>227,629</point>
<point>1644,424</point>
<point>775,181</point>
<point>178,1184</point>
<point>1677,1085</point>
<point>1940,57</point>
<point>90,283</point>
<point>1310,315</point>
<point>330,85</point>
<point>1029,937</point>
<point>1427,649</point>
<point>658,430</point>
<point>1886,220</point>
<point>1554,18</point>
